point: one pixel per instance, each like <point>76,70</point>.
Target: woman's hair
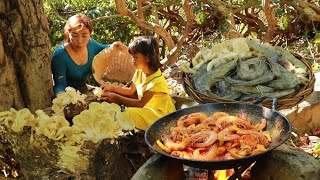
<point>76,21</point>
<point>148,46</point>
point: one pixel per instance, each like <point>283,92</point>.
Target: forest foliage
<point>278,22</point>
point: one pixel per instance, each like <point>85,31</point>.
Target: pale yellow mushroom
<point>70,96</point>
<point>22,117</point>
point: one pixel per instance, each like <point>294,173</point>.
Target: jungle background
<point>183,27</point>
<point>31,29</point>
<point>284,23</point>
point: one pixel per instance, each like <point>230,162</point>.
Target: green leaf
<point>317,149</point>
<point>315,66</point>
<point>317,36</point>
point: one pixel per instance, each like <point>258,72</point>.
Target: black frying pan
<point>277,124</point>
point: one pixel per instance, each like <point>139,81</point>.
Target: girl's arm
<point>129,102</point>
<point>124,91</point>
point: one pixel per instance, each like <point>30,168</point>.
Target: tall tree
<point>25,55</point>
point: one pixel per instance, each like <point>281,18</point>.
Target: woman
<point>72,61</point>
<point>148,98</point>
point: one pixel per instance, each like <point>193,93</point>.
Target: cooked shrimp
<point>260,127</point>
<point>235,153</point>
<point>242,123</point>
<point>203,139</point>
<point>231,144</point>
<point>181,154</point>
<point>227,131</point>
<point>194,118</point>
<point>248,143</point>
<point>227,134</point>
<point>228,156</point>
<point>243,115</point>
<point>225,121</point>
<point>221,150</point>
<point>177,133</point>
<point>202,154</point>
<point>173,146</point>
<point>259,148</point>
<point>212,120</point>
<point>200,127</point>
<point>220,136</point>
<point>260,137</point>
<point>231,137</point>
<point>218,115</point>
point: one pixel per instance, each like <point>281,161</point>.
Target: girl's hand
<point>109,97</point>
<point>106,88</point>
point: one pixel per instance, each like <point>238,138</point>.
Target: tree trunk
<point>25,56</point>
<point>43,158</point>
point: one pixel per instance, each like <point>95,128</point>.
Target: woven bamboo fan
<point>113,64</point>
<point>284,102</point>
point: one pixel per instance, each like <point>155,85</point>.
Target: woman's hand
<point>119,45</point>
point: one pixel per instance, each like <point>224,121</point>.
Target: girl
<point>148,97</point>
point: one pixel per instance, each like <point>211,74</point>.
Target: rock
<point>306,120</point>
<point>283,163</point>
<point>286,163</point>
<point>159,167</point>
<point>305,116</point>
<point>184,102</point>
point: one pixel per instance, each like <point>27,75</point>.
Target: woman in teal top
<point>72,61</point>
<point>68,73</point>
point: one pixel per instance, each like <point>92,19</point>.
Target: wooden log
<point>41,158</point>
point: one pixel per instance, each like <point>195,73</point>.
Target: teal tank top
<point>66,72</point>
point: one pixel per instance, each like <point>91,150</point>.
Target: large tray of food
<point>241,70</point>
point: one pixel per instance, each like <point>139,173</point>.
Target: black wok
<point>277,124</point>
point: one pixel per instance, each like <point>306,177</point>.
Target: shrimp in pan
<point>219,136</point>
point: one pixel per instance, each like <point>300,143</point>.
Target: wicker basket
<point>284,102</point>
<point>113,64</point>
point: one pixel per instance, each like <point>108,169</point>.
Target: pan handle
<point>263,98</point>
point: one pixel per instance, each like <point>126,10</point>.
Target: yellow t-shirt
<point>159,105</point>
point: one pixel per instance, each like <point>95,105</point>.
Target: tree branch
<point>56,12</point>
<point>270,16</point>
<point>309,11</point>
<point>187,7</point>
<point>228,14</point>
<point>121,7</point>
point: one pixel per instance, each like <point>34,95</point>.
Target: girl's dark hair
<point>148,46</point>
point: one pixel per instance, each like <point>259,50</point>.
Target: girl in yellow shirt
<point>148,98</point>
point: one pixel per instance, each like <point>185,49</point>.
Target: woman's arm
<point>97,46</point>
<point>129,102</point>
<point>59,69</point>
